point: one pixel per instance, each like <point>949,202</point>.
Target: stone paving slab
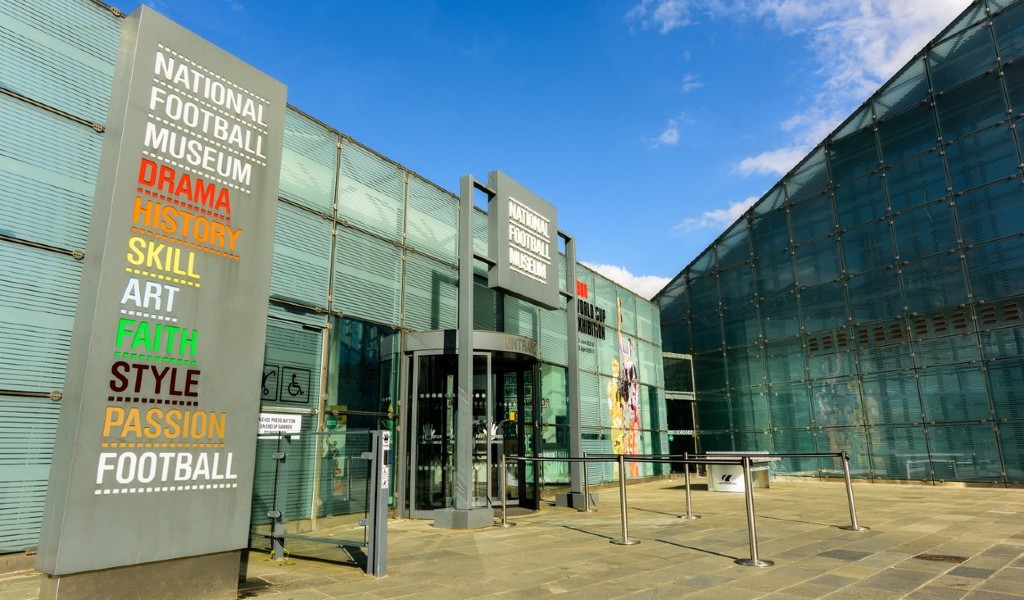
<point>924,542</point>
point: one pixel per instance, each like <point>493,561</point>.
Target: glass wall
<point>870,301</point>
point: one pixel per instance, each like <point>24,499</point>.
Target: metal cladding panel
<point>308,163</point>
<point>367,277</point>
<point>431,294</point>
<point>371,192</point>
<point>36,335</point>
<point>49,163</point>
<point>432,221</point>
<point>302,257</point>
<point>523,242</point>
<point>159,413</point>
<point>59,53</point>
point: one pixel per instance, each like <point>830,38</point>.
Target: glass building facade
<point>365,255</point>
<point>871,301</point>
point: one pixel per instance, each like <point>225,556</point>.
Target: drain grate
<point>941,558</point>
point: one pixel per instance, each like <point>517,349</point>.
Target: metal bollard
<point>586,488</point>
<point>689,516</point>
<point>753,561</point>
<point>624,541</point>
<point>502,491</point>
<point>853,526</point>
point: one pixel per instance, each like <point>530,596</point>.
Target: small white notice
<point>279,424</point>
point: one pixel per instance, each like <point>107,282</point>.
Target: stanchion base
<point>587,510</point>
<point>625,542</point>
<point>750,562</point>
<point>505,525</point>
<point>689,517</point>
<point>852,528</point>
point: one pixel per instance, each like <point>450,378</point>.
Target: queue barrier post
<point>689,516</point>
<point>853,526</point>
<point>624,541</point>
<point>504,500</point>
<point>586,487</point>
<point>753,561</point>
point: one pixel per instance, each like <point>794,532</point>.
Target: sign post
<point>151,480</point>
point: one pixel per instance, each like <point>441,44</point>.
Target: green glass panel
<point>770,202</point>
<point>855,124</point>
<point>963,56</point>
<point>372,192</point>
<point>809,177</point>
<point>1006,342</point>
<point>962,453</point>
<point>480,229</point>
<point>932,283</point>
<point>769,233</point>
<point>867,247</point>
<point>61,54</point>
<point>741,324</point>
<point>309,157</point>
<point>627,301</point>
<point>676,336</point>
<point>995,268</point>
<point>875,295</point>
<point>982,158</point>
<point>991,212</point>
<point>860,201</point>
<point>947,350</point>
<point>785,360</point>
<point>367,277</point>
<point>789,404</point>
<point>647,320</point>
<point>823,307</point>
<point>916,181</point>
<point>853,156</point>
<point>49,163</point>
<point>704,294</point>
<point>1008,27</point>
<point>1011,442</point>
<point>891,357</point>
<point>487,308</point>
<point>733,247</point>
<point>736,284</point>
<point>795,441</point>
<point>745,365</point>
<point>750,411</point>
<point>908,87</point>
<point>891,398</point>
<point>301,266</point>
<point>971,107</point>
<point>924,231</point>
<point>954,393</point>
<point>774,273</point>
<point>817,262</point>
<point>780,316</point>
<point>432,220</point>
<point>593,401</point>
<point>706,331</point>
<point>827,367</point>
<point>899,452</point>
<point>36,316</point>
<point>431,294</point>
<point>907,133</point>
<point>713,413</point>
<point>1014,80</point>
<point>811,218</point>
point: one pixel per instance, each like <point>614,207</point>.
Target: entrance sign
<point>523,242</point>
<point>156,439</point>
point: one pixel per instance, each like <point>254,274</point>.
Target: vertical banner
<point>156,440</point>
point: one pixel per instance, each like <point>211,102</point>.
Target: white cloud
<point>717,219</point>
<point>644,285</point>
<point>772,162</point>
<point>668,137</point>
<point>690,83</point>
<point>856,46</point>
<point>666,15</point>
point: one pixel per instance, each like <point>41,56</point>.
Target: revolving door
<point>503,417</point>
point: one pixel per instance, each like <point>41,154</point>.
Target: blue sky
<point>651,124</point>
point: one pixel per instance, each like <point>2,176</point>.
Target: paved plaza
<point>924,542</point>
